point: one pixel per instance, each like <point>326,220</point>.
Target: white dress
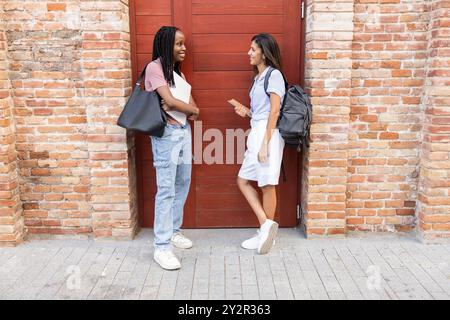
<point>264,173</point>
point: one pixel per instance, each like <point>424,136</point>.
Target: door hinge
<point>298,212</point>
<point>303,10</point>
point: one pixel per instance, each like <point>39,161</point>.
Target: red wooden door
<point>218,36</point>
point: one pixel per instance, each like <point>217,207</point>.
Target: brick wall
<point>70,74</point>
<point>107,78</point>
<point>329,34</point>
<point>369,119</point>
<point>11,221</point>
<point>43,49</point>
<point>433,208</point>
<point>389,53</point>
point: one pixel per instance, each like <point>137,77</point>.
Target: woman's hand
<point>164,106</point>
<point>263,154</point>
<point>194,116</point>
<point>242,111</point>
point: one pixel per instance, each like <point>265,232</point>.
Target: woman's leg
<point>269,201</point>
<point>183,179</point>
<point>269,229</point>
<point>252,197</point>
<point>165,195</point>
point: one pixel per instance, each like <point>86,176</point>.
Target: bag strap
<point>283,171</point>
<point>267,77</point>
<point>139,81</point>
<point>266,81</point>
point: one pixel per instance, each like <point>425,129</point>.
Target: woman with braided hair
<point>172,153</point>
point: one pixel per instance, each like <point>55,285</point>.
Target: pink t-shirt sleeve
<point>154,76</point>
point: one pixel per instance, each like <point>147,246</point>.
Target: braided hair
<point>163,49</point>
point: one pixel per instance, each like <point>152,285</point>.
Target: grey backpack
<point>295,117</point>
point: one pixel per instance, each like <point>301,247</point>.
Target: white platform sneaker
<point>166,259</point>
<point>178,240</point>
<point>268,233</point>
<point>253,242</point>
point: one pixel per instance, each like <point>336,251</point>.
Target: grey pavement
<point>357,267</point>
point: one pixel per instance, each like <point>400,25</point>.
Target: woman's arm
<point>176,104</point>
<point>275,105</point>
<point>191,101</point>
<point>240,109</point>
<point>194,116</point>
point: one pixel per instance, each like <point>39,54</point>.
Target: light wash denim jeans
<point>172,159</point>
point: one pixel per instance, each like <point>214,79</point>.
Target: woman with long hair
<point>172,153</point>
<point>262,159</point>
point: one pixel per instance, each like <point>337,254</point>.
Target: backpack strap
<point>283,171</point>
<point>266,80</point>
<point>267,77</point>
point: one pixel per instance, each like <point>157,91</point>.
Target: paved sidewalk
<point>371,267</point>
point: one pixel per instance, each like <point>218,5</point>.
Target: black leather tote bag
<point>143,112</point>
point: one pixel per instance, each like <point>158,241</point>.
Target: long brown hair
<point>270,49</point>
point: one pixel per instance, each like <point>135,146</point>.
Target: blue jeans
<point>172,159</point>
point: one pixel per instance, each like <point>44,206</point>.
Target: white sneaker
<point>180,241</point>
<point>166,259</point>
<point>268,232</point>
<point>252,243</point>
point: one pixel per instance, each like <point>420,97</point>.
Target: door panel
<point>225,43</point>
<point>213,24</point>
<point>218,37</point>
<point>221,7</point>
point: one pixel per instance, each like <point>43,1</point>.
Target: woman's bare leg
<point>269,201</point>
<point>252,197</point>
